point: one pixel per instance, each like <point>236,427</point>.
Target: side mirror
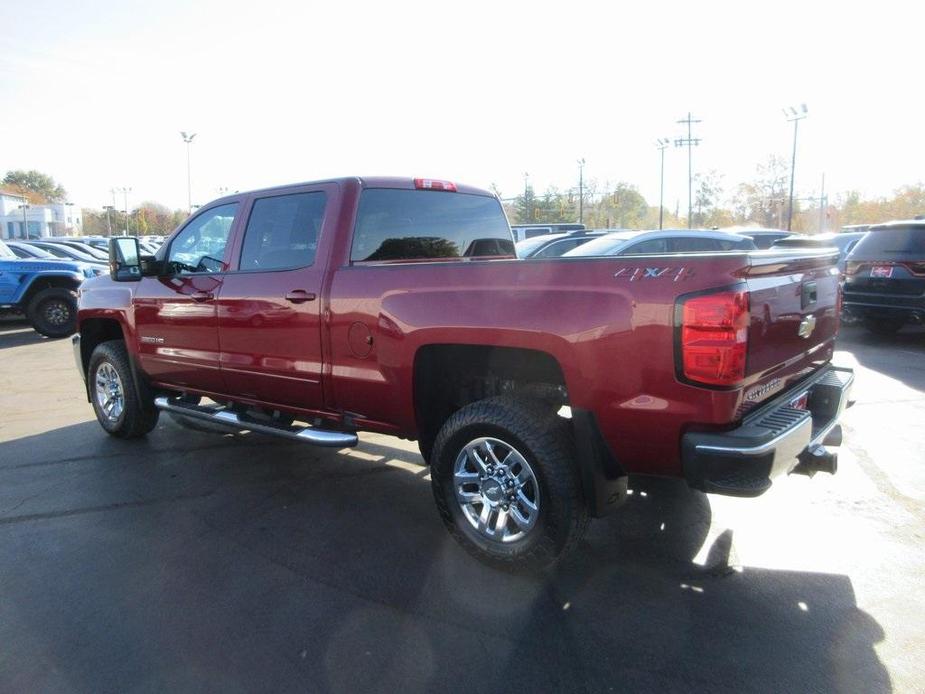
<point>124,259</point>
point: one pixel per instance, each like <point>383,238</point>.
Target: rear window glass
<point>394,224</point>
<point>887,242</point>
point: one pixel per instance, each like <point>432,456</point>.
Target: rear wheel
<point>884,325</point>
<point>505,483</point>
<point>120,408</point>
<point>53,312</point>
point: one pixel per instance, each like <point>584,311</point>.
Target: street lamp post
<point>662,144</point>
<point>108,209</point>
<point>581,190</point>
<point>794,116</point>
<point>125,191</point>
<point>188,139</point>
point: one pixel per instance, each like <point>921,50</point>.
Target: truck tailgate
<point>794,305</point>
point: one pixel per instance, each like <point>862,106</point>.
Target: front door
<point>269,309</point>
<point>175,315</point>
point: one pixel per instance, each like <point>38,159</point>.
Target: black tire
<point>884,326</point>
<point>545,442</point>
<point>138,415</point>
<point>426,447</point>
<point>53,312</point>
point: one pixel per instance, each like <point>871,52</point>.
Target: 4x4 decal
<point>633,274</point>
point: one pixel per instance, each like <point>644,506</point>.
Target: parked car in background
<point>663,241</point>
<point>27,251</point>
<point>81,246</point>
<point>554,245</point>
<point>885,277</point>
<point>42,290</point>
<point>844,242</point>
<point>763,238</point>
<point>527,231</point>
<point>61,250</point>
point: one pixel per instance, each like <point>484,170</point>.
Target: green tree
<point>39,188</point>
<point>763,201</point>
<point>707,193</point>
<point>623,207</point>
<point>525,206</point>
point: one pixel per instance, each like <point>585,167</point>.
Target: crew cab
<point>533,387</point>
<point>44,291</point>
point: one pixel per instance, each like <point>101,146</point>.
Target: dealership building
<point>20,219</point>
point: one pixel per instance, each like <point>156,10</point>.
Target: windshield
<point>5,251</point>
<point>605,245</point>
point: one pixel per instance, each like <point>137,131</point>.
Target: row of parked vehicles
<point>39,277</point>
<point>882,268</point>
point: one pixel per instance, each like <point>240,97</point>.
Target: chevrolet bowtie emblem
<point>807,325</point>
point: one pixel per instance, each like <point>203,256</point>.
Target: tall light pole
<point>527,205</point>
<point>690,142</point>
<point>794,116</point>
<point>662,144</point>
<point>581,190</point>
<point>125,191</point>
<point>188,139</point>
<point>109,209</point>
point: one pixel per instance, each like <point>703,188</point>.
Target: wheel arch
<point>41,282</point>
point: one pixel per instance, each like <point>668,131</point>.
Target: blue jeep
<point>45,291</point>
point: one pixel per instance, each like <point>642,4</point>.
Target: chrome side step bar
<point>233,420</point>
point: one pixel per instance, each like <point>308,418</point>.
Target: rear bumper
<point>862,304</point>
<point>770,442</point>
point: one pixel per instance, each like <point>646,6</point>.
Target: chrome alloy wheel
<point>496,489</point>
<point>56,312</point>
<point>110,396</point>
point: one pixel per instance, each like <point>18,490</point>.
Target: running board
<point>220,415</point>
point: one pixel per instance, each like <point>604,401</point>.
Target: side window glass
<point>647,247</point>
<point>282,232</point>
<point>693,244</point>
<point>200,247</point>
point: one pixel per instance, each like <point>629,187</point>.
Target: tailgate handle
<point>809,295</point>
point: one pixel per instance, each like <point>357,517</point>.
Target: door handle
<point>199,297</point>
<point>298,296</point>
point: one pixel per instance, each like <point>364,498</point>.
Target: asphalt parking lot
<point>210,562</point>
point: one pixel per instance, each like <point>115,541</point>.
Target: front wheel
<point>506,485</point>
<point>53,312</point>
<point>120,408</point>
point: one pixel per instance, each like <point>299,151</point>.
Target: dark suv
<point>885,277</point>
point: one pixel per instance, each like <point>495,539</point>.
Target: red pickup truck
<point>534,387</point>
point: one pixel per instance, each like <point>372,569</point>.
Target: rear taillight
<point>714,338</point>
<point>432,184</point>
<point>852,267</point>
<point>916,268</point>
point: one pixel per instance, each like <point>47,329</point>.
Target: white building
<point>35,221</point>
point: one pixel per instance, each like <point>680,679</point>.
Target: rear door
<point>269,311</point>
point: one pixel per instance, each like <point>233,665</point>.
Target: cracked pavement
<point>233,562</point>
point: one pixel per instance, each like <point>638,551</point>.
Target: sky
<point>96,93</point>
